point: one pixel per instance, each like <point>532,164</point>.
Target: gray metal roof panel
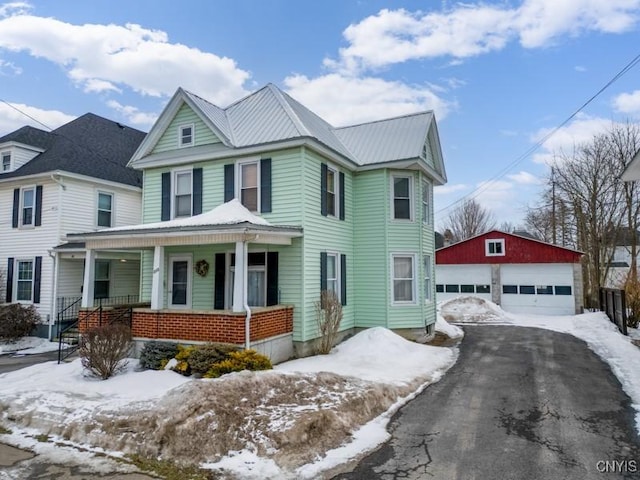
<point>214,113</point>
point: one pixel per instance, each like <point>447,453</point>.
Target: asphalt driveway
<point>11,362</point>
<point>520,403</point>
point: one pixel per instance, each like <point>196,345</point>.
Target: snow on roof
<point>229,213</point>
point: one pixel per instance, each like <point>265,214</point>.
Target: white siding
<point>20,156</point>
<point>70,272</point>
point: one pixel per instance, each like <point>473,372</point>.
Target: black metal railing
<point>612,302</point>
<point>68,341</point>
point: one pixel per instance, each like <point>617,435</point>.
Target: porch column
<point>89,276</point>
<point>239,279</point>
<point>157,278</point>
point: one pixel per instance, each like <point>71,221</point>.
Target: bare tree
<point>507,227</point>
<point>469,219</point>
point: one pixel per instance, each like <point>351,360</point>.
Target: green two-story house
<point>250,211</point>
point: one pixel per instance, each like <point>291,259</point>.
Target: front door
<point>180,282</point>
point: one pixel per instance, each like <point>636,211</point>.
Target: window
<point>182,198</point>
<point>249,184</point>
<point>180,281</point>
<point>24,281</point>
<point>101,283</point>
<point>402,198</point>
<point>331,179</point>
<point>563,289</point>
<point>425,201</point>
<point>186,135</point>
<point>256,279</point>
<point>6,161</point>
<point>333,279</point>
<point>494,247</point>
<point>427,278</point>
<point>544,290</point>
<point>403,278</point>
<point>510,289</point>
<point>105,209</point>
<point>452,288</point>
<point>483,288</point>
<point>467,289</point>
<point>28,202</point>
<point>527,290</point>
<point>439,288</point>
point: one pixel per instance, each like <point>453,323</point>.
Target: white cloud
<point>344,100</point>
<point>580,68</point>
<point>449,188</point>
<point>524,178</point>
<point>628,103</point>
<point>394,36</point>
<point>9,68</point>
<point>581,130</point>
<point>133,115</point>
<point>11,118</point>
<point>110,57</point>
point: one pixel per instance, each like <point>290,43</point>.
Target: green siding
<point>185,116</point>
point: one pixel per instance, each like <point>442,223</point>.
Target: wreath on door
<point>202,267</point>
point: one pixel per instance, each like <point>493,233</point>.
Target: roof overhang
<point>408,164</point>
<point>192,235</point>
<point>49,175</point>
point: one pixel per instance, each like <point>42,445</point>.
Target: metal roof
<point>269,116</point>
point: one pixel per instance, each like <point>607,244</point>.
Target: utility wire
<point>25,114</point>
<point>486,185</point>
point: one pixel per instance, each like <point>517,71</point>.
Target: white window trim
<point>20,212</point>
<point>238,180</point>
<point>426,219</point>
<point>337,257</point>
<point>411,198</point>
<point>228,288</point>
<point>113,208</point>
<point>427,269</point>
<point>180,258</point>
<point>2,155</point>
<point>174,185</point>
<point>16,275</point>
<point>181,144</point>
<point>494,240</point>
<point>336,191</point>
<point>414,282</point>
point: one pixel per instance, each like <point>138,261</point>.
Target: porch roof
<point>228,223</point>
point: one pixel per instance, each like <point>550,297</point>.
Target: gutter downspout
<point>54,290</point>
<point>247,320</point>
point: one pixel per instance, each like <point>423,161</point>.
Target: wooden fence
<point>612,302</point>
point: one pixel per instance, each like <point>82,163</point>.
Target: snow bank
<point>451,331</point>
<point>471,309</point>
<point>28,346</point>
<point>378,355</point>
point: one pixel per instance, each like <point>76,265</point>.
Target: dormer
<point>13,155</point>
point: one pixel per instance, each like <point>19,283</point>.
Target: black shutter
<point>220,269</point>
<point>197,191</point>
<point>343,279</point>
<point>9,292</point>
<point>323,275</point>
<point>272,278</point>
<point>36,280</point>
<point>229,181</point>
<point>38,219</point>
<point>166,196</point>
<point>323,188</point>
<point>341,186</point>
<point>265,185</point>
<point>16,207</point>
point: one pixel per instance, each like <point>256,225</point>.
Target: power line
<point>541,142</point>
<point>25,114</point>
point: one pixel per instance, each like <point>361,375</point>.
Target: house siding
<point>20,156</point>
<point>203,134</point>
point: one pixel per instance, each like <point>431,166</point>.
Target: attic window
<point>6,161</point>
<point>186,135</point>
<point>494,247</point>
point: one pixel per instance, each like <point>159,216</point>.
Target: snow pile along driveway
<point>294,422</point>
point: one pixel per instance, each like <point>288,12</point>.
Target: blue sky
<point>499,75</point>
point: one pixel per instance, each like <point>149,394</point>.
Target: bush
<point>155,355</point>
<point>184,352</point>
<point>17,321</point>
<point>328,318</point>
<point>238,361</point>
<point>103,350</point>
<point>204,356</point>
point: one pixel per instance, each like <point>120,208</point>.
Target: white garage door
<point>456,280</point>
<point>543,289</point>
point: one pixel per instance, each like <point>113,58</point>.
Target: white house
<point>71,179</point>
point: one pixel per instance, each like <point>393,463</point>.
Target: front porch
<point>270,329</point>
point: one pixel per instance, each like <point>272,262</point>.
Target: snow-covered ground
<point>28,346</point>
<point>303,418</point>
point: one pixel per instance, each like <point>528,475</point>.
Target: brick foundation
<point>200,326</point>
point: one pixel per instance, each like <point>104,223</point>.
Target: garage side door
<point>542,289</point>
<point>456,280</point>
